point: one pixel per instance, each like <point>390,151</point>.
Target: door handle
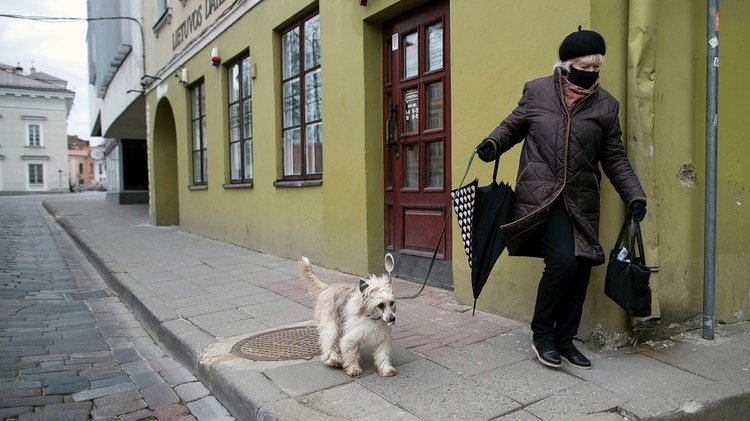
<point>391,128</point>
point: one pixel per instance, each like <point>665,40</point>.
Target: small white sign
<point>716,62</point>
<point>713,42</point>
<point>394,42</point>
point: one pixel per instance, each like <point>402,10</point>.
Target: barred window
<point>240,121</point>
<point>199,147</point>
<point>302,121</point>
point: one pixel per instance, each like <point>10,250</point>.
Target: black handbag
<point>627,279</point>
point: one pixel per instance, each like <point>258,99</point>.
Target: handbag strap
<point>621,237</point>
<point>494,173</point>
<point>636,242</point>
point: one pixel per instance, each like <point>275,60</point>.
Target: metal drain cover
<point>285,344</point>
<point>88,295</point>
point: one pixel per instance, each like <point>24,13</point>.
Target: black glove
<point>486,150</point>
<point>637,210</point>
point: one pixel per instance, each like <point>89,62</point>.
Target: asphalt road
<point>69,348</point>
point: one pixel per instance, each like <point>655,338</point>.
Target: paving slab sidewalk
<point>199,297</point>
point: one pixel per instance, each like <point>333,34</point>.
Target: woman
<point>570,126</point>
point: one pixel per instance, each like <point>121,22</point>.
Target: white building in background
<point>117,105</point>
<point>34,110</point>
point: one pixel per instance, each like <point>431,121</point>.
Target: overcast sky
<point>58,49</point>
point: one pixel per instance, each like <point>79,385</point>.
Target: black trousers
<point>562,289</point>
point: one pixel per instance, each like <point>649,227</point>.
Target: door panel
<point>416,98</point>
<point>420,237</point>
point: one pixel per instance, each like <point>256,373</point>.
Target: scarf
<point>573,93</point>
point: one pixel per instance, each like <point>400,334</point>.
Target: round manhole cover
<point>285,344</point>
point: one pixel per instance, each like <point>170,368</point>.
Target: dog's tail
<point>314,284</point>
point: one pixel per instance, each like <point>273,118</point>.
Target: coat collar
<point>560,81</point>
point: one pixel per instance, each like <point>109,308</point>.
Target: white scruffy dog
<point>350,317</point>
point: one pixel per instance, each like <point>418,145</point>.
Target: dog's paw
<point>354,371</point>
<point>387,372</point>
<point>333,362</point>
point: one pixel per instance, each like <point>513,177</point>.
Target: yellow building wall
<point>733,177</point>
<point>518,42</point>
<point>678,209</point>
<point>674,225</point>
<point>496,46</point>
<point>338,224</point>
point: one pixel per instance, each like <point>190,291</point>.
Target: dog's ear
<point>363,287</point>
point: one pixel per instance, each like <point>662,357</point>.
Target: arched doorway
<point>165,203</point>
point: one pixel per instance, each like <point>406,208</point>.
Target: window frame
<point>245,140</point>
<point>39,135</point>
<point>161,14</point>
<point>160,8</point>
<point>40,175</point>
<point>303,125</point>
<point>199,88</point>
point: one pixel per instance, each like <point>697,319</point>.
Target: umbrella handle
<point>494,173</point>
<point>468,166</point>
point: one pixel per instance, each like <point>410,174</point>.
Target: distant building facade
<point>86,165</point>
<point>117,105</point>
<point>34,109</point>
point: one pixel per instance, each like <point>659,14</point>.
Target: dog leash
<point>442,231</point>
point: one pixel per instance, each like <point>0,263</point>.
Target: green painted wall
<point>486,88</point>
<point>338,224</point>
<point>733,226</point>
<point>666,163</point>
<point>678,210</point>
<point>496,46</point>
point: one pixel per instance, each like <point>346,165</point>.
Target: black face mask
<point>583,79</point>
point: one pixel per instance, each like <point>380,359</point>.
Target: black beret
<point>581,43</point>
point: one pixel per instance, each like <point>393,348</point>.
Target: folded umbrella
<point>480,212</point>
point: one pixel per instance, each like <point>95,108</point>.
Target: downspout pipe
<point>712,126</point>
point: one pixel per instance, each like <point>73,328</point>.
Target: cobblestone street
<point>69,348</point>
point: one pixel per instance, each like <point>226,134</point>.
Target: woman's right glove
<point>487,150</point>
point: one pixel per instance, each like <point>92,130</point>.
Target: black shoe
<point>575,358</point>
<point>546,353</point>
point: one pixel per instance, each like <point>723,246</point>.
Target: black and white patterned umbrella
<point>480,212</point>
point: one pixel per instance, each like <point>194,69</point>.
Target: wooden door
<point>416,99</point>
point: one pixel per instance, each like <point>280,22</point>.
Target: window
<point>162,15</point>
<point>34,134</point>
<point>198,118</point>
<point>240,122</point>
<point>36,175</point>
<point>302,122</point>
<point>160,9</point>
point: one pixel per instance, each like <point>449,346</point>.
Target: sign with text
<point>194,20</point>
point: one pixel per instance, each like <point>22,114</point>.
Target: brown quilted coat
<point>560,160</point>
